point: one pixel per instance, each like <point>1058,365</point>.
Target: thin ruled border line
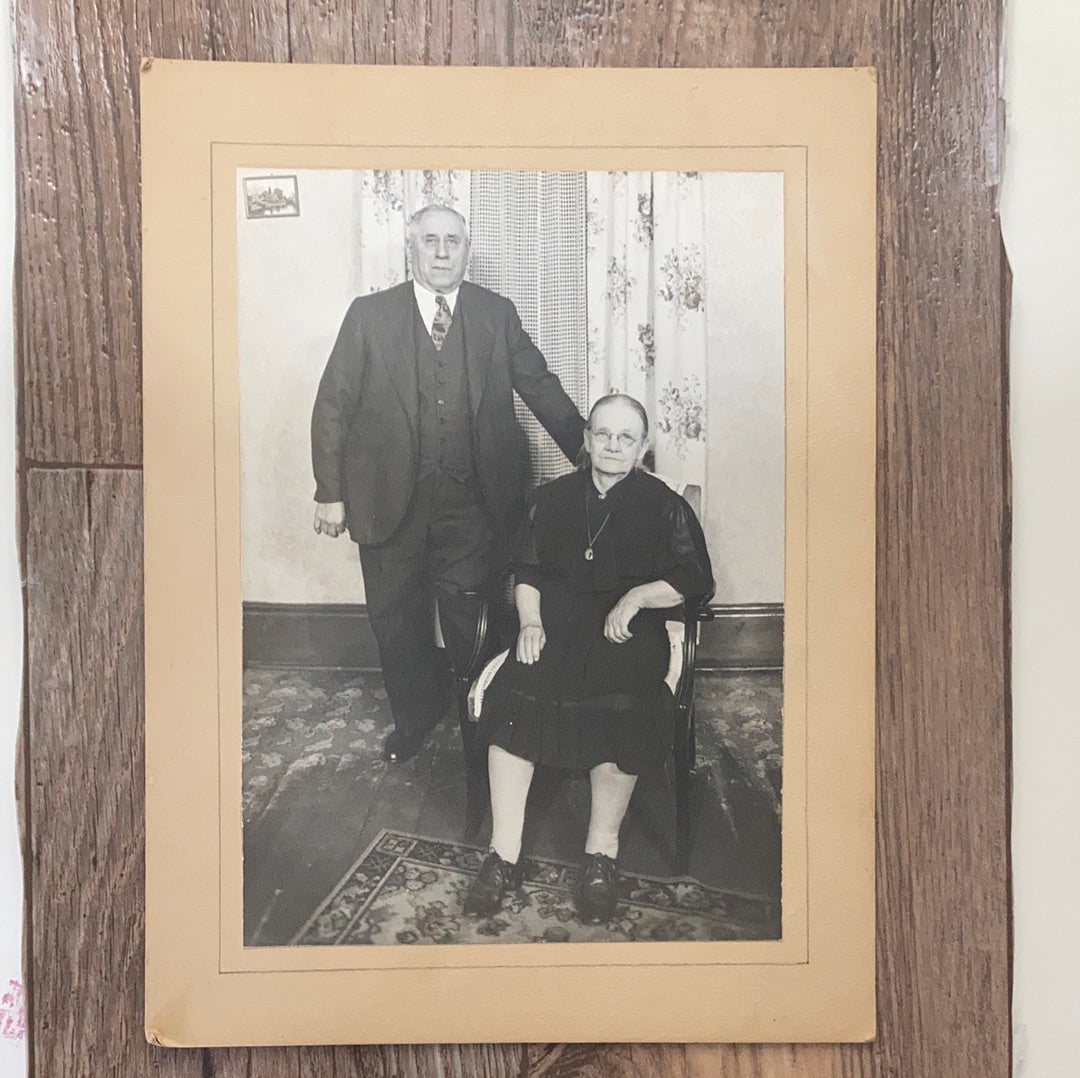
<point>419,145</point>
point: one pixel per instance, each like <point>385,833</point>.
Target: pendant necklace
<point>588,529</point>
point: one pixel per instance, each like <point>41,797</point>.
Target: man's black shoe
<point>494,879</point>
<point>598,892</point>
<point>402,745</point>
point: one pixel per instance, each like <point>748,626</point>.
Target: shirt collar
<point>425,300</point>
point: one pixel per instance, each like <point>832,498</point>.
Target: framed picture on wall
<point>271,196</point>
<point>527,645</point>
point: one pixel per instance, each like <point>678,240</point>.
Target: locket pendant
<point>589,532</point>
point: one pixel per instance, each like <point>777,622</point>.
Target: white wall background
<point>745,298</point>
<point>297,276</point>
<point>12,1047</point>
<point>1042,235</point>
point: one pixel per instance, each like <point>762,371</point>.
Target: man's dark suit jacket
<point>365,425</point>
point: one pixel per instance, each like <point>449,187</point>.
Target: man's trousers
<point>444,547</point>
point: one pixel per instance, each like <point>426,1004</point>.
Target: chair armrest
<point>490,587</point>
<point>479,686</point>
<point>681,670</point>
<point>697,609</point>
<point>676,631</point>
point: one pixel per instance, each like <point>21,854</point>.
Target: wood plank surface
<point>943,501</point>
<point>83,798</point>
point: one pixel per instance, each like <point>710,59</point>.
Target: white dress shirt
<point>425,300</point>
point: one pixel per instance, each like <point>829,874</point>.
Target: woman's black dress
<point>588,701</point>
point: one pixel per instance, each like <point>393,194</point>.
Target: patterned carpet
<point>407,889</point>
<point>300,723</point>
<point>742,715</point>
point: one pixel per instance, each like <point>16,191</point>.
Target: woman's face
<point>615,439</point>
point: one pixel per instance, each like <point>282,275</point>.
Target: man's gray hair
<point>412,226</point>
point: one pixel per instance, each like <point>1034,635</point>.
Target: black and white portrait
<point>512,519</point>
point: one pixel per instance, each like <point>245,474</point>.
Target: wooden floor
<point>943,503</point>
<point>318,819</point>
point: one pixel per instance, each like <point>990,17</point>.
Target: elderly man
<point>417,451</point>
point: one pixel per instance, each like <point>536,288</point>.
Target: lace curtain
<point>528,243</point>
<point>648,334</point>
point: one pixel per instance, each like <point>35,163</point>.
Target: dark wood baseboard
<point>742,637</point>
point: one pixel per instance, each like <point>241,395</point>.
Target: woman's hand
<point>531,641</point>
<point>617,623</point>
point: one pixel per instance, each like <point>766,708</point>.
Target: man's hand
<point>330,518</point>
<point>531,641</point>
<point>617,623</point>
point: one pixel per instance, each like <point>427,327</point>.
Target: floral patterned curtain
<point>384,201</point>
<point>647,329</point>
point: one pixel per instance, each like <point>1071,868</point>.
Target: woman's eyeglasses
<point>624,438</point>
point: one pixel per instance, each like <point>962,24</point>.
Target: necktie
<point>440,324</point>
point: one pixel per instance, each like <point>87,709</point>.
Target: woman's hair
<point>622,398</point>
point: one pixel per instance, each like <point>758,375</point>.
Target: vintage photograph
<point>512,530</point>
<point>509,554</point>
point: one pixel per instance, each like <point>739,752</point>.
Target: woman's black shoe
<point>494,879</point>
<point>598,892</point>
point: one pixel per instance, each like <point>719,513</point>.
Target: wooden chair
<point>696,610</point>
<point>491,595</point>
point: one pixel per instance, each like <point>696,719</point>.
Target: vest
<point>445,419</point>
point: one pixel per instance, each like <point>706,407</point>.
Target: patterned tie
<point>440,324</point>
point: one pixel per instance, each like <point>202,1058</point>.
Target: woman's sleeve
<point>688,568</point>
<point>526,557</point>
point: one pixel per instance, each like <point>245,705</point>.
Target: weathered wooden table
<point>943,523</point>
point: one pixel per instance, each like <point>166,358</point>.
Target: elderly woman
<point>609,550</point>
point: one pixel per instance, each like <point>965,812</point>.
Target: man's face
<point>439,251</point>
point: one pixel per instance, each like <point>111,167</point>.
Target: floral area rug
<point>299,724</point>
<point>407,889</point>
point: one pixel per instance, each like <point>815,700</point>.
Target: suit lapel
<point>479,340</point>
<point>399,348</point>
